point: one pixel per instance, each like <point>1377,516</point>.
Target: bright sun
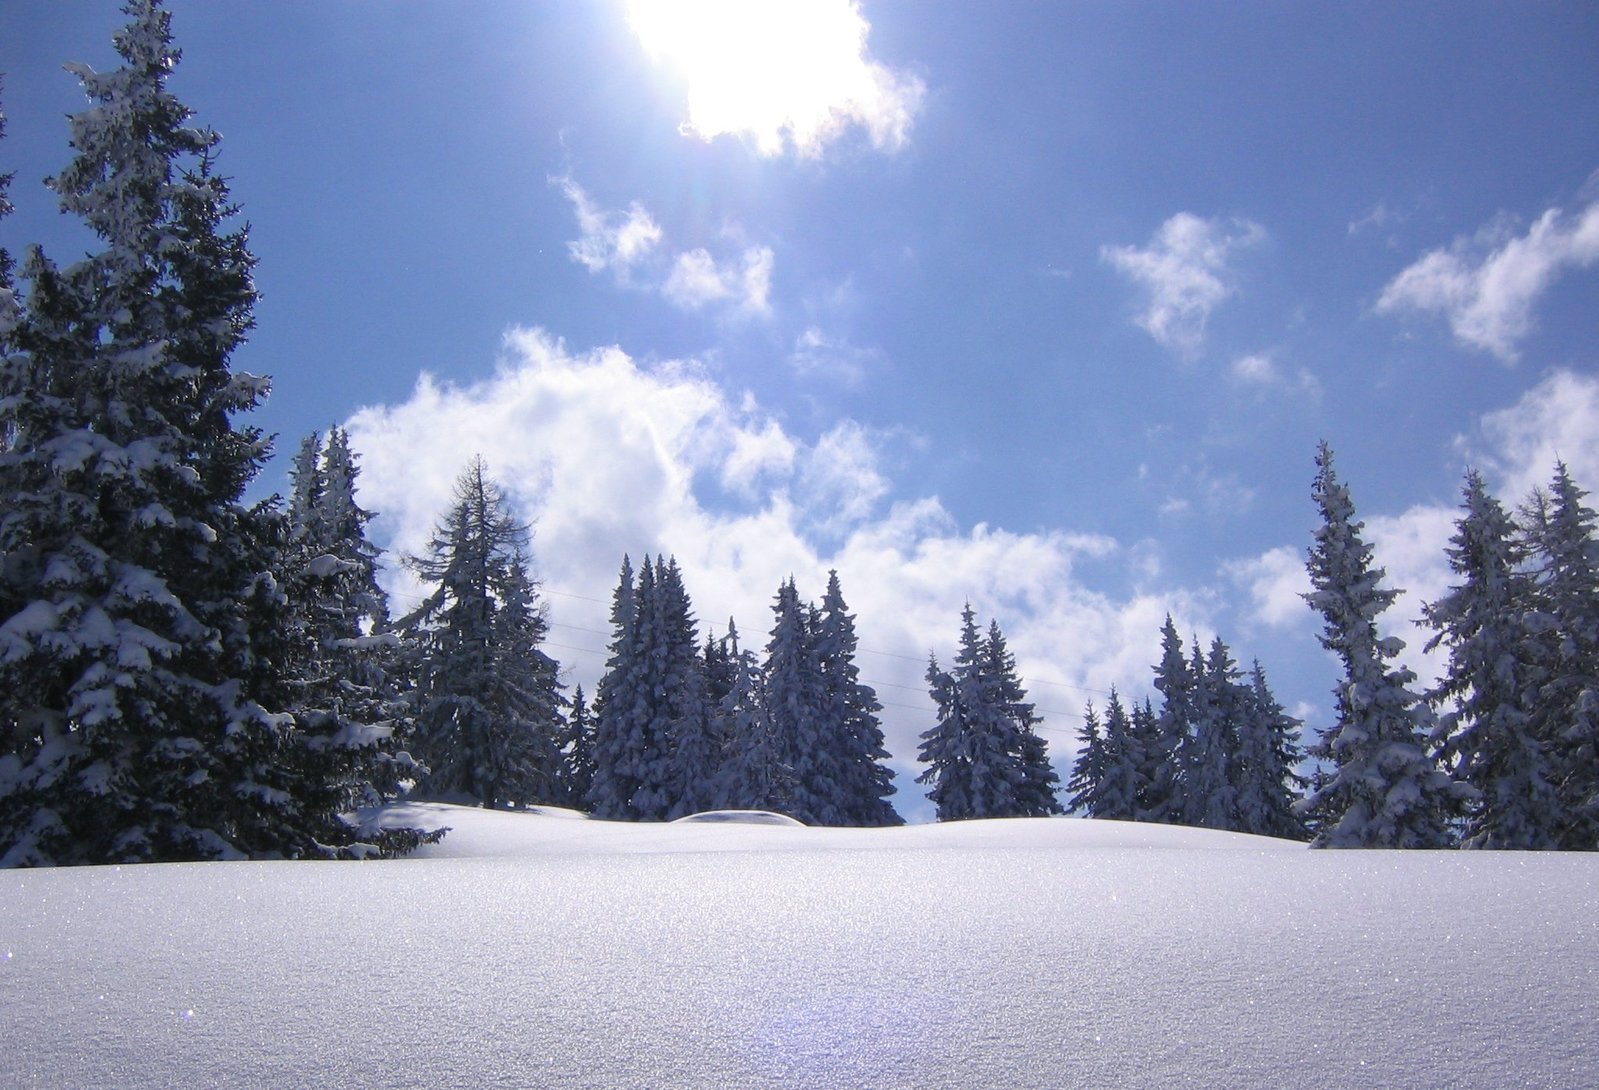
<point>776,70</point>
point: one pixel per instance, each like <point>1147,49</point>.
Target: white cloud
<point>1186,273</point>
<point>608,456</point>
<point>784,73</point>
<point>1486,286</point>
<point>1275,582</point>
<point>1263,373</point>
<point>1215,495</point>
<point>698,279</point>
<point>1556,421</point>
<point>609,240</point>
<point>626,242</point>
<point>817,355</point>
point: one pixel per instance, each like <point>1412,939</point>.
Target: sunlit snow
<point>553,951</point>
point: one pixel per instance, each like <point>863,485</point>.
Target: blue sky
<point>1051,318</point>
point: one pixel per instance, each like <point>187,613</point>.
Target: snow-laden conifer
<point>754,775</point>
<point>1088,770</point>
<point>577,752</point>
<point>984,758</point>
<point>849,711</point>
<point>340,664</point>
<point>142,617</point>
<point>796,703</point>
<point>1566,560</point>
<point>1268,784</point>
<point>487,715</point>
<point>1210,754</point>
<point>1166,782</point>
<point>694,749</point>
<point>1383,789</point>
<point>1491,688</point>
<point>619,748</point>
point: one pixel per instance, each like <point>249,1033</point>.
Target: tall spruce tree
<point>1210,758</point>
<point>341,662</point>
<point>620,751</point>
<point>1166,779</point>
<point>142,619</point>
<point>851,726</point>
<point>754,774</point>
<point>1491,687</point>
<point>1383,789</point>
<point>1088,770</point>
<point>487,716</point>
<point>654,751</point>
<point>1565,549</point>
<point>796,704</point>
<point>1268,783</point>
<point>694,749</point>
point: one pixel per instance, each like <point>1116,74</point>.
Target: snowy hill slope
<point>552,951</point>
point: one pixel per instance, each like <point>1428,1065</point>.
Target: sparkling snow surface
<point>552,951</point>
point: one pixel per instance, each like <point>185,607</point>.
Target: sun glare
<point>777,71</point>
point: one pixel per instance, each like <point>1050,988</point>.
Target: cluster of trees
<point>1504,751</point>
<point>984,757</point>
<point>155,631</point>
<point>679,727</point>
<point>1220,753</point>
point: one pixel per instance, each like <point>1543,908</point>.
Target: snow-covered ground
<point>547,950</point>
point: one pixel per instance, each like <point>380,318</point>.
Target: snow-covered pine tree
<point>754,774</point>
<point>1210,758</point>
<point>946,747</point>
<point>653,740</point>
<point>1268,755</point>
<point>1088,770</point>
<point>340,662</point>
<point>1566,558</point>
<point>1491,686</point>
<point>1037,780</point>
<point>850,710</point>
<point>694,750</point>
<point>1166,783</point>
<point>487,713</point>
<point>984,758</point>
<point>1384,790</point>
<point>577,752</point>
<point>1120,781</point>
<point>1149,757</point>
<point>796,706</point>
<point>620,749</point>
<point>132,669</point>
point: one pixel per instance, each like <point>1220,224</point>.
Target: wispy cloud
<point>628,243</point>
<point>1487,286</point>
<point>787,74</point>
<point>818,355</point>
<point>1186,271</point>
<point>698,279</point>
<point>1261,372</point>
<point>609,240</point>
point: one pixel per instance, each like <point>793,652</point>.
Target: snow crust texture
<point>986,954</point>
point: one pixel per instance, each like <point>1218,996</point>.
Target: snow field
<point>547,950</point>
